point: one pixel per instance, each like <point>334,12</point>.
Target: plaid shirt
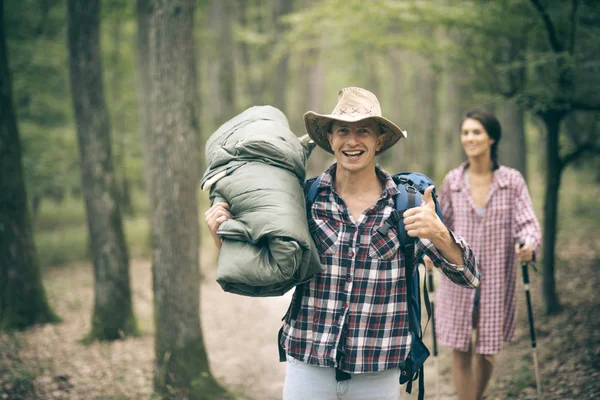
<point>354,315</point>
<point>508,216</point>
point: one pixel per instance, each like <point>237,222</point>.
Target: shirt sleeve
<point>466,275</point>
<point>445,201</point>
<point>526,225</point>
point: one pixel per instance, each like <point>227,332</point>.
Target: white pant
<point>308,382</point>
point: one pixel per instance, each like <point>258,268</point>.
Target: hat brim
<point>318,124</point>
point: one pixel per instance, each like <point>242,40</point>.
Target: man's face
<point>355,143</point>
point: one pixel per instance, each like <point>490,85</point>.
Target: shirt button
<point>349,279</point>
<point>345,305</point>
<point>350,253</point>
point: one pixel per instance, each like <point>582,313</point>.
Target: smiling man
<point>351,330</point>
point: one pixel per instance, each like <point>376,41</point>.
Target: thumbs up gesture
<point>422,221</point>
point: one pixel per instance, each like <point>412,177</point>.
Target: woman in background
<point>489,205</point>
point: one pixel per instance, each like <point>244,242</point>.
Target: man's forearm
<point>448,248</point>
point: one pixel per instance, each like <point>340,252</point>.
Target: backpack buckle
<point>411,189</point>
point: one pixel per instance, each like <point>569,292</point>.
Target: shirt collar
<point>499,177</point>
<point>390,188</point>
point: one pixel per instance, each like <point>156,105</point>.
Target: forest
<point>107,269</point>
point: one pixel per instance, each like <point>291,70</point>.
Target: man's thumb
<point>428,197</point>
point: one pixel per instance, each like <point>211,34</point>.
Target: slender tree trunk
<point>113,315</point>
<point>397,107</point>
<point>22,298</point>
<point>512,150</point>
<point>182,369</point>
<point>455,105</point>
<point>144,87</point>
<point>312,94</point>
<point>121,148</point>
<point>282,8</point>
<point>551,120</point>
<point>426,114</point>
<point>223,65</point>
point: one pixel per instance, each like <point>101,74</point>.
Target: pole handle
<point>430,281</point>
<point>524,265</point>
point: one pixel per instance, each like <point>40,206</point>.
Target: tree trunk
<point>312,95</point>
<point>113,315</point>
<point>223,64</point>
<point>144,88</point>
<point>454,108</point>
<point>512,150</point>
<point>124,195</point>
<point>426,114</point>
<point>282,8</point>
<point>182,369</point>
<point>551,120</point>
<point>398,103</point>
<point>22,298</point>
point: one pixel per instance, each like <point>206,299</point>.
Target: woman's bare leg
<point>462,372</point>
<point>484,366</point>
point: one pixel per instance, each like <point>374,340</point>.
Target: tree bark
<point>113,316</point>
<point>426,114</point>
<point>22,297</point>
<point>182,369</point>
<point>455,106</point>
<point>551,120</point>
<point>282,8</point>
<point>223,65</point>
<point>398,103</point>
<point>124,194</point>
<point>144,87</point>
<point>312,96</point>
<point>512,149</point>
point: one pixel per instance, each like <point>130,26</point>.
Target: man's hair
<point>491,125</point>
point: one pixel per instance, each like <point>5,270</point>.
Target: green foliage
<point>38,59</point>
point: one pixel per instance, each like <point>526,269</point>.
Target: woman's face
<point>475,139</point>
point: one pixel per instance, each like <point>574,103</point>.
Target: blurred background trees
<point>113,313</point>
<point>534,63</point>
<point>23,300</point>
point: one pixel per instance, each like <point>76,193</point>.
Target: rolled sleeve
<point>466,275</point>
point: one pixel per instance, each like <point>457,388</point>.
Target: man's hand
<point>525,253</point>
<point>214,217</point>
<point>422,221</point>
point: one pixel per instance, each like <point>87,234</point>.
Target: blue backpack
<point>411,186</point>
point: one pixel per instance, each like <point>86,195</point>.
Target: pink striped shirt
<point>507,217</point>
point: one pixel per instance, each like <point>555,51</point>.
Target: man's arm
<point>449,252</point>
<point>465,272</point>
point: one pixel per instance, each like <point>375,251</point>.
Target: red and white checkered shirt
<point>354,315</point>
<point>507,217</point>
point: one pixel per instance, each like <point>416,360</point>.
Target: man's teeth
<point>352,153</point>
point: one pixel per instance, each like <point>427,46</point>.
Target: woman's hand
<point>214,217</point>
<point>428,263</point>
<point>525,253</point>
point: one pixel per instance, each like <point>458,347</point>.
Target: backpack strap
<point>311,188</point>
<point>408,197</point>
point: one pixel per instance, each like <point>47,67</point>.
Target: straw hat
<point>354,104</point>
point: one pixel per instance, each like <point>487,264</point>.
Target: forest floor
<point>50,362</point>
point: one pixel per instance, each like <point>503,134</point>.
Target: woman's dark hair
<point>492,126</point>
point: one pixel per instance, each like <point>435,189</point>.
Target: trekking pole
<point>435,350</point>
<point>525,270</point>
